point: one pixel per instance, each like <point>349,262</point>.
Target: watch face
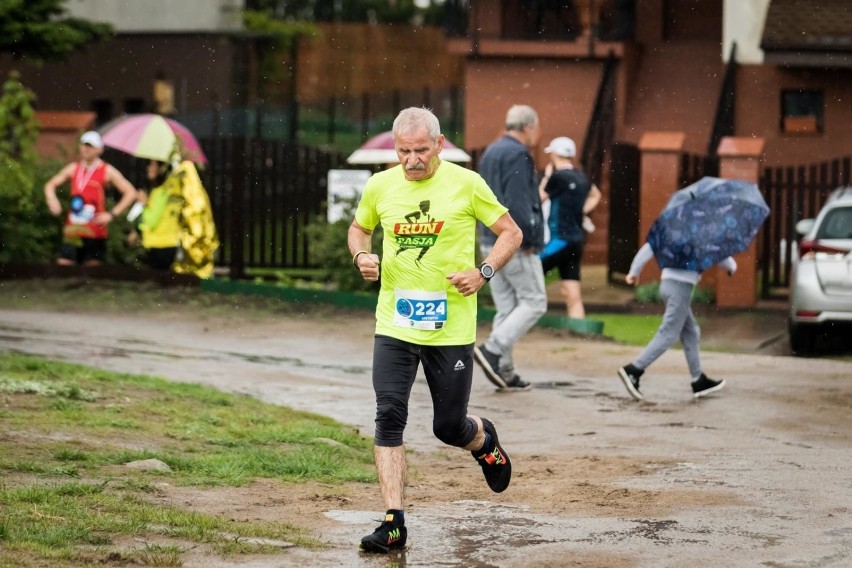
<point>487,271</point>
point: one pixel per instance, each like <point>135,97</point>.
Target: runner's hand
<point>467,282</point>
<point>368,265</point>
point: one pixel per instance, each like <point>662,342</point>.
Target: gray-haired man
<point>518,289</point>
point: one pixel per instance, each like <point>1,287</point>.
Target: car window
<point>837,224</point>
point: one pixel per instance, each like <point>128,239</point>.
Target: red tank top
<point>88,191</point>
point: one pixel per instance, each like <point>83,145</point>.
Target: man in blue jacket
<point>518,289</point>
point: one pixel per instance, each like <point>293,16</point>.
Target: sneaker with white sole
<point>704,385</point>
<point>629,375</point>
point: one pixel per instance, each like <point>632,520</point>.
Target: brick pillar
<point>660,166</point>
<point>740,158</point>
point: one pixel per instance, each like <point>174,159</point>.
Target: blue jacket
<point>508,169</point>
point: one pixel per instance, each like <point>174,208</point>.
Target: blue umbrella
<point>707,222</point>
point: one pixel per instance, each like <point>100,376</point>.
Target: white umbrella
<point>380,150</point>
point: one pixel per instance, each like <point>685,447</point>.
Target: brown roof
<point>808,25</point>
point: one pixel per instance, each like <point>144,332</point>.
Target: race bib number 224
<point>417,309</point>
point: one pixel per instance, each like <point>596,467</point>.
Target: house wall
<point>563,107</point>
<point>161,15</point>
<point>693,20</point>
<point>206,70</point>
<point>203,69</point>
<point>758,112</point>
<point>352,59</point>
<point>562,92</point>
<point>676,87</point>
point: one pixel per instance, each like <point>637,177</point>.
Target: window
<point>103,110</point>
<point>801,112</point>
<point>837,224</point>
<point>134,106</point>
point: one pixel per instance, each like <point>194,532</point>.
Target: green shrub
<point>328,245</point>
<point>28,232</point>
<point>703,295</point>
<point>650,294</point>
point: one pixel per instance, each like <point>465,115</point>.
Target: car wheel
<point>801,339</point>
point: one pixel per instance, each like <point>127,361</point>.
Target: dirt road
<point>758,475</point>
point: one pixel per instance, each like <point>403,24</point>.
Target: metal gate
<point>624,182</point>
<point>263,193</point>
<point>792,193</point>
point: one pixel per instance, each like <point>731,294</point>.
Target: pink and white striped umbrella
<point>154,137</point>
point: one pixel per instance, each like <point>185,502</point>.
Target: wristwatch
<point>486,270</point>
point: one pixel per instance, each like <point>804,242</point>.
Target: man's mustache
<point>417,166</point>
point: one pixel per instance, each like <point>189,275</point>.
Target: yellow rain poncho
<point>178,215</point>
<point>161,220</point>
<point>198,237</point>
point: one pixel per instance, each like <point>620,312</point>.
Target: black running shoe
<point>494,461</point>
<point>704,385</point>
<point>516,383</point>
<point>388,536</point>
<point>490,363</point>
<point>629,375</point>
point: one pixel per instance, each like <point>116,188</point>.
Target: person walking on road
<point>85,232</point>
<point>676,286</point>
<point>572,197</point>
<point>518,290</point>
<point>426,311</point>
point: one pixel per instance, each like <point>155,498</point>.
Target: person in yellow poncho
<point>177,227</point>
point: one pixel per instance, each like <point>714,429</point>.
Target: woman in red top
<point>85,231</point>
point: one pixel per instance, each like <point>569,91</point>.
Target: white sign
<point>344,185</point>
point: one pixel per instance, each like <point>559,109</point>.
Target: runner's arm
<point>542,185</point>
<point>592,200</point>
<point>51,186</point>
<point>128,192</point>
<point>360,245</point>
<point>509,238</point>
<point>643,255</point>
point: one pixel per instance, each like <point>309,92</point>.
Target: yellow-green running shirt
<point>429,232</point>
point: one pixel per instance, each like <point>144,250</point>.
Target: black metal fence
<point>263,194</point>
<point>693,167</point>
<point>623,235</point>
<point>792,193</point>
<point>601,128</point>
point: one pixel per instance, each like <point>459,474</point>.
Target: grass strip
<point>67,431</point>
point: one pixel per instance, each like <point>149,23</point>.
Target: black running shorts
<point>81,250</point>
<point>449,372</point>
<point>567,260</point>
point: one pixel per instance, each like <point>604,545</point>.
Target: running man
<point>426,313</point>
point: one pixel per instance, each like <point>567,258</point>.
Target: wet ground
<point>756,476</point>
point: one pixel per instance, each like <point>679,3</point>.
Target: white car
<point>821,281</point>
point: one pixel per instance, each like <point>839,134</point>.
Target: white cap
<point>92,138</point>
<point>562,146</point>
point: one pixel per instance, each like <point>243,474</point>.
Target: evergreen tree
<point>40,30</point>
<point>18,128</point>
